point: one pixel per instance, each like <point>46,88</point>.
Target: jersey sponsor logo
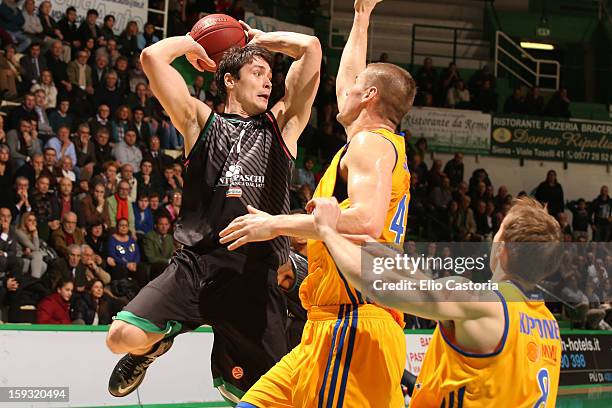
<point>545,328</point>
<point>237,372</point>
<point>533,352</point>
<point>234,177</point>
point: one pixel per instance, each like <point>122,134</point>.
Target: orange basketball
<point>218,33</point>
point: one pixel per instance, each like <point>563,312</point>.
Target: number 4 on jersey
<point>398,224</point>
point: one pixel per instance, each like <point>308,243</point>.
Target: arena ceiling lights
<point>537,46</point>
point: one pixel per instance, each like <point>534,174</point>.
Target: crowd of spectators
<point>448,89</point>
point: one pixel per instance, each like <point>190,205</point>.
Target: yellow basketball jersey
<point>324,285</point>
<point>522,372</point>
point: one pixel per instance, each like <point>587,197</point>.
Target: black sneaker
<point>130,370</point>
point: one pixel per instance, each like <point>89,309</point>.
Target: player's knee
<point>115,339</point>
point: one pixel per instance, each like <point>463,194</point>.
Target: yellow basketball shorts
<point>349,356</point>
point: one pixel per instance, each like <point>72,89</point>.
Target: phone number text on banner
<point>450,130</point>
<point>552,139</point>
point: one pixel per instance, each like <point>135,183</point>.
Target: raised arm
<point>188,114</point>
<point>293,111</point>
<point>353,60</point>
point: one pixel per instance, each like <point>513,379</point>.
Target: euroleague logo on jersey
<point>234,177</point>
<point>237,372</point>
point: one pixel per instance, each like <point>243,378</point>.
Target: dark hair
<point>92,11</point>
<point>234,59</point>
<point>154,194</point>
<point>141,196</point>
<point>108,17</point>
<point>69,9</point>
<point>63,282</point>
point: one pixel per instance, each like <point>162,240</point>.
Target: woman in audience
<point>9,72</point>
<point>55,308</point>
<point>123,118</point>
<point>173,209</point>
<point>6,176</point>
<point>47,85</point>
<point>124,255</point>
<point>96,238</point>
<point>91,210</point>
<point>95,306</point>
<point>27,236</point>
<point>128,40</point>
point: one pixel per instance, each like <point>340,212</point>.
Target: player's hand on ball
<point>253,227</point>
<point>252,33</point>
<point>198,58</point>
<point>326,212</point>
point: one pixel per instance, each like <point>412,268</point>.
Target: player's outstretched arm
<point>354,55</point>
<point>302,82</point>
<point>188,114</point>
<point>352,260</point>
<point>370,160</point>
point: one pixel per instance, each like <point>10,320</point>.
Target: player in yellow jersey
<point>492,348</point>
<point>352,352</point>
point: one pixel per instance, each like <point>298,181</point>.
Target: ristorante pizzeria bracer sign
<point>552,139</point>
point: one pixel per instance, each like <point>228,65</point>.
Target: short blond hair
<point>396,89</point>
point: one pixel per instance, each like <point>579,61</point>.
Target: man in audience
<point>11,19</point>
<point>25,111</point>
<point>32,65</point>
<point>158,246</point>
<point>126,151</point>
<point>159,159</point>
<point>68,235</point>
<point>93,266</point>
<point>118,206</point>
<point>127,174</point>
<point>454,170</point>
<point>23,143</point>
<point>601,208</point>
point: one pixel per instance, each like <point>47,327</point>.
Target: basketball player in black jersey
<point>240,158</point>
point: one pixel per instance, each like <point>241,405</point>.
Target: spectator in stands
<point>57,64</point>
<point>124,254</point>
<point>61,116</point>
<point>9,73</point>
<point>123,76</point>
<point>435,175</point>
<point>24,111</point>
<point>143,216</point>
<point>46,84</point>
<point>601,208</point>
<point>69,29</point>
<point>142,128</point>
<point>441,195</point>
<point>558,105</point>
<point>29,242</point>
<point>454,169</point>
<point>79,75</point>
<point>147,182</point>
<point>101,120</point>
<point>33,169</point>
<point>478,175</point>
<point>121,123</point>
<point>9,261</point>
<point>416,166</point>
<point>44,207</point>
<point>501,197</point>
<point>484,222</point>
<point>85,151</point>
<point>128,40</point>
<point>96,239</point>
<point>566,228</point>
<point>91,207</point>
<point>65,170</point>
<point>486,100</point>
<point>127,151</point>
<point>23,143</point>
<point>95,306</point>
<point>458,96</point>
<point>119,207</point>
<point>110,51</point>
<point>158,246</point>
<point>173,208</point>
<point>477,80</point>
<point>99,70</point>
<point>109,94</point>
<point>32,65</point>
<point>67,235</point>
<point>127,174</point>
<point>580,219</point>
<point>21,201</point>
<point>157,157</point>
<point>50,28</point>
<point>55,308</point>
<point>515,102</point>
<point>89,29</point>
<point>170,181</point>
<point>107,27</point>
<point>136,75</point>
<point>147,37</point>
<point>427,77</point>
<point>108,177</point>
<point>305,175</point>
<point>42,124</point>
<point>62,144</point>
<point>93,265</point>
<point>197,89</point>
<point>31,25</point>
<point>11,19</point>
<point>550,192</point>
<point>449,76</point>
<point>141,99</point>
<point>534,102</point>
<point>6,175</point>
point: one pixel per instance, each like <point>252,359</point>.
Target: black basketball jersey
<point>235,162</point>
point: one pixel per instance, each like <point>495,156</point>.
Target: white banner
<point>416,347</point>
<point>123,10</point>
<point>450,130</point>
<point>268,24</point>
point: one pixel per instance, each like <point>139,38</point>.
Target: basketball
<point>218,33</point>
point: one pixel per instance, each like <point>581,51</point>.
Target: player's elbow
<point>313,47</point>
<point>373,228</point>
